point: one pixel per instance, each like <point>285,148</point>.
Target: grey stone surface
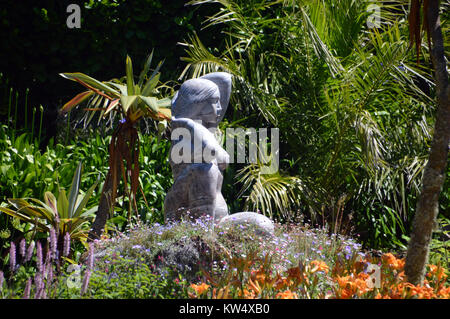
<point>196,157</point>
<point>261,224</point>
<point>198,160</point>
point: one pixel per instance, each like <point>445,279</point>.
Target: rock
<point>261,224</point>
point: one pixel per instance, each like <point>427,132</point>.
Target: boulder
<point>261,224</point>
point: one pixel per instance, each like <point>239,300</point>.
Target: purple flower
<point>53,242</point>
<point>85,284</point>
<point>23,247</point>
<point>90,258</point>
<point>39,285</point>
<point>48,260</point>
<point>12,256</point>
<point>122,121</point>
<point>348,251</point>
<point>29,251</point>
<point>49,274</point>
<point>27,290</point>
<point>39,256</point>
<point>66,249</point>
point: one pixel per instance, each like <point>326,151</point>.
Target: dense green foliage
<point>354,110</point>
<point>27,172</point>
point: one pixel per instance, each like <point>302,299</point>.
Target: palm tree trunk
<point>434,174</point>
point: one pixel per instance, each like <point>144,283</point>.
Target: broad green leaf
<point>86,79</point>
<point>127,101</point>
<point>165,102</point>
<point>46,214</point>
<point>90,211</point>
<point>151,85</point>
<point>63,204</point>
<point>137,89</point>
<point>85,199</point>
<point>18,203</point>
<point>156,70</point>
<point>121,87</point>
<point>148,62</point>
<point>74,190</point>
<point>23,217</point>
<point>150,101</point>
<point>15,214</point>
<point>130,78</point>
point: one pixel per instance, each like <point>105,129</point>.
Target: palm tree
<point>352,120</point>
<point>434,174</point>
<point>130,102</point>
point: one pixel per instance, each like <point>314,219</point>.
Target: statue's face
<point>207,111</point>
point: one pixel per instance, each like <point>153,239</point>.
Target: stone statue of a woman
<point>196,157</point>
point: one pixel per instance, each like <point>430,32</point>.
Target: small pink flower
<point>53,242</point>
<point>85,284</point>
<point>29,251</point>
<point>66,249</point>
<point>90,258</point>
<point>39,256</point>
<point>22,247</point>
<point>12,256</point>
<point>27,290</point>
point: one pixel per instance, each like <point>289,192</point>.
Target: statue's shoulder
<point>195,128</point>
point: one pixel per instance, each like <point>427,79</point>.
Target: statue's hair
<point>191,92</point>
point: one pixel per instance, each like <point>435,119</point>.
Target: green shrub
<point>119,277</point>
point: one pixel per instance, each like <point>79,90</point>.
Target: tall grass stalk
<point>9,103</point>
<point>32,124</point>
<point>15,116</point>
<point>26,108</point>
<point>41,108</point>
<point>68,129</point>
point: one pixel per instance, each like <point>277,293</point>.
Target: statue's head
<point>204,99</point>
<point>198,99</point>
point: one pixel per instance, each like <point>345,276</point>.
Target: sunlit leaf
<point>78,99</point>
<point>130,77</point>
<point>127,101</point>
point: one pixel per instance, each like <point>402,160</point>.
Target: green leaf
<point>130,79</point>
<point>22,217</point>
<point>151,102</point>
<point>63,204</point>
<point>165,102</point>
<point>121,87</point>
<point>78,99</point>
<point>85,198</point>
<point>91,82</point>
<point>151,85</point>
<point>74,189</point>
<point>127,101</point>
<point>18,203</point>
<point>146,69</point>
